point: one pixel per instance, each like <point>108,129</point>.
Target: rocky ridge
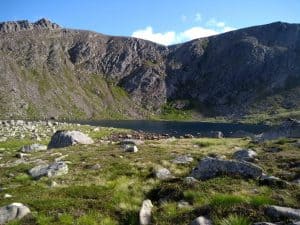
<point>50,71</point>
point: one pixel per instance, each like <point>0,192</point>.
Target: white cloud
<point>196,32</point>
<point>166,38</point>
<point>171,37</point>
<point>219,25</point>
<point>198,17</point>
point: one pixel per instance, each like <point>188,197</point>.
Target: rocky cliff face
<point>46,70</point>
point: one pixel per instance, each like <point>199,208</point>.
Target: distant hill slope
<point>47,71</point>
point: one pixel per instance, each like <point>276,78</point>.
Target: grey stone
<point>190,180</point>
<point>211,167</point>
<point>201,220</point>
<point>163,174</point>
<point>272,181</point>
<point>66,138</point>
<point>131,142</point>
<point>184,159</point>
<point>33,148</point>
<point>245,155</point>
<point>12,212</point>
<point>279,212</point>
<point>145,212</point>
<point>55,169</point>
<point>130,148</point>
<point>263,223</point>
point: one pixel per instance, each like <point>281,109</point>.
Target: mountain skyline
<point>167,22</point>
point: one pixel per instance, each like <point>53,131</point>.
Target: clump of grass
<point>260,200</point>
<point>234,220</point>
<point>226,200</point>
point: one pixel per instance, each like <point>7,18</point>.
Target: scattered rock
<point>184,159</point>
<point>211,167</point>
<point>288,129</point>
<point>7,196</point>
<point>12,212</point>
<point>183,204</point>
<point>22,155</point>
<point>245,155</point>
<point>33,148</point>
<point>274,149</point>
<point>55,169</point>
<point>131,142</point>
<point>190,180</point>
<point>66,138</point>
<point>264,223</point>
<point>216,134</point>
<point>95,167</point>
<point>145,212</point>
<point>201,220</point>
<point>130,148</point>
<point>272,181</point>
<point>278,212</point>
<point>163,174</point>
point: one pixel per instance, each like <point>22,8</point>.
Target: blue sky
<point>163,21</point>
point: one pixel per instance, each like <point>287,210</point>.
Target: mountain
<point>49,71</point>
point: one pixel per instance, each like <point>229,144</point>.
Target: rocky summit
<point>49,71</point>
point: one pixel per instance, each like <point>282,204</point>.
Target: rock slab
<point>66,138</point>
<point>212,167</point>
<point>55,169</point>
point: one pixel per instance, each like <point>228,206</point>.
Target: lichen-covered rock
<point>183,159</point>
<point>33,148</point>
<point>201,220</point>
<point>145,212</point>
<point>66,138</point>
<point>163,174</point>
<point>245,155</point>
<point>12,212</point>
<point>279,212</point>
<point>55,169</point>
<point>213,167</point>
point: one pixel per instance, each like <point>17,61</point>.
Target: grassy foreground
<point>112,192</point>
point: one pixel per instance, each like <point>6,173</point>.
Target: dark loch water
<point>179,128</point>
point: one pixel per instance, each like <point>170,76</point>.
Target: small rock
<point>163,174</point>
<point>278,212</point>
<point>216,134</point>
<point>131,142</point>
<point>53,184</point>
<point>264,223</point>
<point>272,181</point>
<point>95,167</point>
<point>145,212</point>
<point>183,204</point>
<point>7,196</point>
<point>33,148</point>
<point>184,159</point>
<point>201,220</point>
<point>245,155</point>
<point>55,169</point>
<point>12,212</point>
<point>129,148</point>
<point>190,180</point>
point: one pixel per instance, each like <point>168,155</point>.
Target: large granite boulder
<point>66,138</point>
<point>12,212</point>
<point>54,169</point>
<point>212,167</point>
